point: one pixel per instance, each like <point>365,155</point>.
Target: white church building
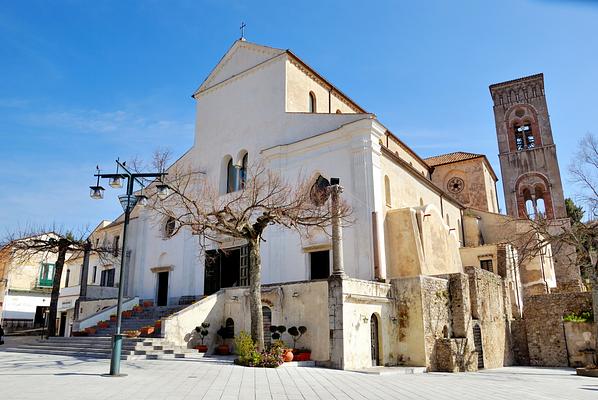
<point>401,254</point>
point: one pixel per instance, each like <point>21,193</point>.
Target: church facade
<point>430,281</point>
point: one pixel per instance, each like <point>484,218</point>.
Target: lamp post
<point>127,201</point>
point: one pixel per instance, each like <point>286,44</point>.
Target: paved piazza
<point>26,376</point>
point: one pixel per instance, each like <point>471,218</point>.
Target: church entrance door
<point>162,290</point>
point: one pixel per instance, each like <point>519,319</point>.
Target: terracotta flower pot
<point>103,325</point>
<point>158,324</point>
<point>302,356</point>
<point>148,303</point>
<point>113,318</point>
<point>223,350</point>
<point>127,314</point>
<point>147,330</point>
<point>288,355</point>
<point>90,330</point>
<point>202,348</point>
<point>138,309</point>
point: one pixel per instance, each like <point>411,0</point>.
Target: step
<point>100,346</point>
<point>72,349</point>
<point>64,353</point>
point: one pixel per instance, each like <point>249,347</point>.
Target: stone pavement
<point>29,376</point>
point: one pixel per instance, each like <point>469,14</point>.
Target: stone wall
<point>580,336</point>
<point>543,315</point>
<point>490,306</point>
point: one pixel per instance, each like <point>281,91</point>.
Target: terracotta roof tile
<point>450,158</point>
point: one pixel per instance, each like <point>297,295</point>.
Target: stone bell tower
<point>528,161</point>
<point>529,166</point>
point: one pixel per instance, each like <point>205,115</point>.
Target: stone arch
<point>529,189</point>
<point>521,115</point>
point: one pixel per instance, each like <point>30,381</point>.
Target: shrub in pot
<point>147,330</point>
<point>202,332</point>
<point>223,349</point>
<point>127,314</point>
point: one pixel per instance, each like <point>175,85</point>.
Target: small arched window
<point>230,177</point>
<point>312,102</point>
<point>169,227</point>
<point>338,111</point>
<point>387,191</point>
<point>243,172</point>
<point>421,202</point>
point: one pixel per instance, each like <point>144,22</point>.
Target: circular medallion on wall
<point>455,185</point>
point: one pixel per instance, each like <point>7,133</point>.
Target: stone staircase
<point>99,344</point>
<point>101,347</point>
<point>148,316</point>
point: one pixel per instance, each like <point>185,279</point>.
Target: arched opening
<point>477,341</point>
<point>312,102</point>
<point>243,172</point>
<point>230,177</point>
<point>375,340</point>
<point>338,111</point>
<point>267,316</point>
<point>445,332</point>
<point>387,194</point>
<point>229,329</point>
<point>169,227</point>
<point>421,202</point>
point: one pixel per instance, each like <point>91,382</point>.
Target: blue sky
<point>83,83</point>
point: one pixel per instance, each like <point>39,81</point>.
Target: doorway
<point>162,295</point>
<point>226,268</point>
<point>62,326</point>
<point>479,348</point>
<point>375,340</point>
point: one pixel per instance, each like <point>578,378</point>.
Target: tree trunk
<point>255,294</point>
<point>58,266</point>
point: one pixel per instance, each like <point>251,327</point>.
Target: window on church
<point>486,265</point>
<point>230,177</point>
<point>524,137</point>
<point>243,172</point>
<point>338,112</point>
<point>540,207</point>
<point>387,191</point>
<point>312,102</point>
<point>169,227</point>
<point>68,277</point>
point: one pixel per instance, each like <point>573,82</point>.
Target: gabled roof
<point>223,71</point>
<point>458,156</point>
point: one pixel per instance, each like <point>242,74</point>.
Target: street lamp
<point>127,201</point>
<point>97,192</point>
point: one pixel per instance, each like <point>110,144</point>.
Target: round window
<point>455,185</point>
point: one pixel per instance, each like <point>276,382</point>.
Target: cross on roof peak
<point>242,28</point>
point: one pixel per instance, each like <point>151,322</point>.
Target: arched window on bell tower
<point>524,137</point>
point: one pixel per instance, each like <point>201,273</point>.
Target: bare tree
<point>19,248</point>
<point>262,199</point>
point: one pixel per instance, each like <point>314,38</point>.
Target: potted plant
<point>277,331</point>
<point>158,324</point>
<point>113,317</point>
<point>202,332</point>
<point>147,330</point>
<point>138,309</point>
<point>296,334</point>
<point>90,330</point>
<point>132,333</point>
<point>127,314</point>
<point>148,303</point>
<point>223,349</point>
<point>79,333</point>
<point>103,325</point>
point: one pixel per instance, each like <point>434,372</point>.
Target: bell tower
<point>527,153</point>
